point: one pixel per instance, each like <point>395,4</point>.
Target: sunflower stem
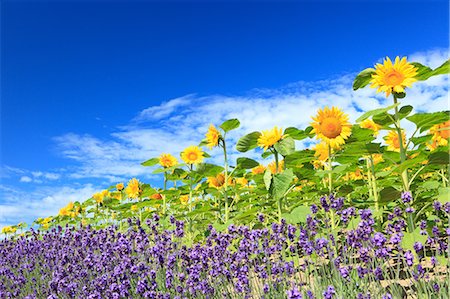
<point>225,184</point>
<point>402,160</point>
<point>330,183</point>
<point>164,196</point>
<point>190,197</point>
<point>402,148</point>
<point>276,171</point>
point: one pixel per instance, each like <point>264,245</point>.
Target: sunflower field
<point>356,215</point>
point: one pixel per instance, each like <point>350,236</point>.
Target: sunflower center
<point>396,142</point>
<point>192,156</point>
<point>331,127</point>
<point>444,130</point>
<point>394,78</point>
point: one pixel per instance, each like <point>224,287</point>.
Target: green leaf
<point>266,154</point>
<point>443,69</point>
<point>248,142</point>
<point>150,162</point>
<point>439,158</point>
<point>423,72</point>
<point>267,179</point>
<point>409,238</point>
<point>230,124</point>
<point>281,183</point>
<point>424,121</point>
<point>444,195</point>
<point>405,111</point>
<point>246,163</point>
<point>165,169</point>
<point>389,194</point>
<point>207,169</point>
<point>375,112</point>
<point>296,133</point>
<point>285,146</point>
<point>430,185</point>
<point>363,78</point>
<point>300,213</point>
<point>299,157</point>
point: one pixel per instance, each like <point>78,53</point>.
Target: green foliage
<point>248,142</point>
<point>230,124</point>
<point>363,78</point>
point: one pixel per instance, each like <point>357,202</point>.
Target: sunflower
<point>393,142</point>
<point>258,169</point>
<point>120,186</point>
<point>167,160</point>
<point>192,155</point>
<point>441,133</point>
<point>241,181</point>
<point>98,197</point>
<point>217,181</point>
<point>432,145</point>
<point>8,229</point>
<point>134,208</point>
<point>371,125</point>
<point>321,151</point>
<point>157,196</point>
<point>63,212</point>
<point>273,168</point>
<point>184,199</point>
<point>212,137</point>
<point>395,77</point>
<point>377,158</point>
<point>268,138</point>
<point>332,126</point>
<point>356,175</point>
<point>133,190</point>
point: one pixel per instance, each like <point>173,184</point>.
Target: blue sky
<point>89,89</point>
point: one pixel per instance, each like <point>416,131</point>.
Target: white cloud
<point>25,179</point>
<point>20,206</point>
<point>174,124</point>
<point>177,123</point>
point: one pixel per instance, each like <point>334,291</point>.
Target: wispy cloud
<point>18,206</point>
<point>177,123</point>
<point>174,124</point>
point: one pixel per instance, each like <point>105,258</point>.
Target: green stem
<point>374,182</point>
<point>190,196</point>
<point>330,168</point>
<point>330,183</point>
<point>402,148</point>
<point>276,171</point>
<point>225,184</point>
<point>164,196</point>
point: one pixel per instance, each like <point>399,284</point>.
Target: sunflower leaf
<point>376,112</point>
<point>363,78</point>
<point>424,121</point>
<point>230,124</point>
<point>246,163</point>
<point>295,133</point>
<point>281,183</point>
<point>285,146</point>
<point>248,142</point>
<point>150,162</point>
<point>423,72</point>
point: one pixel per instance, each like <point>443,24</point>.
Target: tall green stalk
<point>404,175</point>
<point>330,183</point>
<point>225,184</point>
<point>164,196</point>
<point>276,171</point>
